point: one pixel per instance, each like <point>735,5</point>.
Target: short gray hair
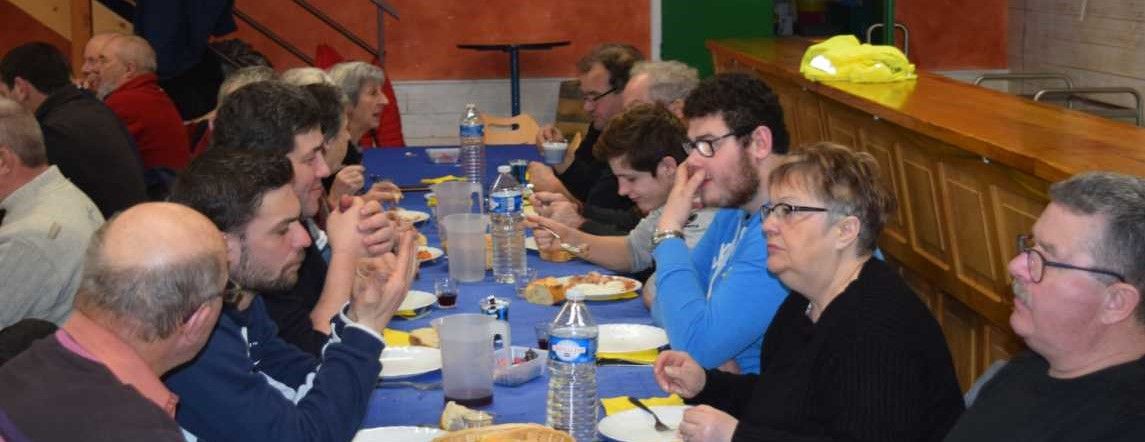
<point>352,75</point>
<point>1119,200</point>
<point>306,75</point>
<point>668,80</point>
<point>135,50</point>
<point>152,299</point>
<point>243,77</point>
<point>21,133</point>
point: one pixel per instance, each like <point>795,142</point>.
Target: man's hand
<point>346,182</point>
<point>680,199</point>
<point>548,133</point>
<point>558,208</point>
<point>706,424</point>
<point>342,227</point>
<point>381,283</point>
<point>545,240</point>
<point>378,229</point>
<point>676,372</point>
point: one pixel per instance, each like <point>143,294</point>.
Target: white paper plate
<point>397,434</point>
<point>592,291</point>
<point>413,216</point>
<point>624,338</point>
<point>531,243</point>
<point>417,300</point>
<point>635,425</point>
<point>403,362</point>
<point>434,253</point>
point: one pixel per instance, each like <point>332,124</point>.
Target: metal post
<point>889,22</point>
<point>515,79</point>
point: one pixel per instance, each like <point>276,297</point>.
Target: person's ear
<point>1120,303</point>
<point>666,167</point>
<point>849,228</point>
<point>760,144</point>
<point>676,107</point>
<point>21,90</point>
<point>201,322</point>
<point>234,249</point>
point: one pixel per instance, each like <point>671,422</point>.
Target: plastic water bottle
<point>473,145</point>
<point>507,218</point>
<point>572,370</point>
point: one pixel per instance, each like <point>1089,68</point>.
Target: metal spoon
<point>564,245</point>
<point>658,425</point>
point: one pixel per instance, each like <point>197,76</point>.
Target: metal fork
<point>658,425</point>
<point>564,245</point>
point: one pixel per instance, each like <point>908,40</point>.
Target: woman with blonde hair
<point>852,354</point>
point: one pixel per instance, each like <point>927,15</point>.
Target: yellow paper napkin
<point>617,404</point>
<point>638,357</point>
<point>441,179</point>
<point>395,338</point>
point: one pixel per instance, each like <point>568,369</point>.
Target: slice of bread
<point>453,416</point>
<point>545,291</point>
<point>425,337</point>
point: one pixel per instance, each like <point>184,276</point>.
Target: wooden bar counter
<point>970,167</point>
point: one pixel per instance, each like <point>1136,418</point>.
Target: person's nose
<point>321,169</point>
<point>301,239</point>
<point>770,226</point>
<point>1019,267</point>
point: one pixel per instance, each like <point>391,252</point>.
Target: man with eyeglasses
<point>581,180</point>
<point>151,293</point>
<point>1078,281</point>
<point>716,301</point>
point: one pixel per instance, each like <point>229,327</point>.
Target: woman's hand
<point>346,182</point>
<point>676,372</point>
<point>706,424</point>
<point>680,199</point>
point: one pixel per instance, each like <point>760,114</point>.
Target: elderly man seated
<point>1078,280</point>
<point>148,304</point>
<point>45,223</point>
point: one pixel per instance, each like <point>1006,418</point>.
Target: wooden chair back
<point>521,129</point>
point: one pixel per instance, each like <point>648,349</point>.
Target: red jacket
<point>153,121</point>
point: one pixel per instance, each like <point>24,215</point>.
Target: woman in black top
<point>852,354</point>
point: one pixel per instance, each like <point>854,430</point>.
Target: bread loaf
<point>545,291</point>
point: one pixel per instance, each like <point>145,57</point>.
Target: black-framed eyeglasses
<point>706,146</point>
<point>783,210</point>
<point>592,98</point>
<point>1037,262</point>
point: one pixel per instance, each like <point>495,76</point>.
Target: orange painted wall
<point>955,34</point>
<point>20,28</point>
<point>422,44</point>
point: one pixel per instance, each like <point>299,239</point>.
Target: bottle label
<point>573,350</point>
<point>472,130</point>
<point>505,202</point>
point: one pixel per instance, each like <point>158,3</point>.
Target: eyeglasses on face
<point>783,211</point>
<point>1036,262</point>
<point>592,97</point>
<point>706,146</point>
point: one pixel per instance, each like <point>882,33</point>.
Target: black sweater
<point>875,367</point>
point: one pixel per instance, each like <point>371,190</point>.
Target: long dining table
<point>522,403</point>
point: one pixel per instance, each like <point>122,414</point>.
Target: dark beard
<point>252,277</point>
<point>744,189</point>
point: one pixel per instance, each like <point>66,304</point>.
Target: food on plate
<point>425,337</point>
<point>454,414</point>
<point>550,290</point>
<point>424,255</point>
<point>559,255</point>
<point>546,291</point>
<point>506,433</point>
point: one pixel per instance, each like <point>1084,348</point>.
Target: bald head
<point>151,266</point>
<point>122,58</point>
<point>91,51</point>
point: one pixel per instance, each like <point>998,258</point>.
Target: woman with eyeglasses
<point>852,354</point>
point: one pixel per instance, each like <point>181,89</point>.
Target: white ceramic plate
<point>403,362</point>
<point>531,243</point>
<point>397,434</point>
<point>625,338</point>
<point>635,425</point>
<point>413,216</point>
<point>434,253</point>
<point>417,300</point>
<point>594,291</point>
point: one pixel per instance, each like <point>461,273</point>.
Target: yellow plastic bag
<point>843,58</point>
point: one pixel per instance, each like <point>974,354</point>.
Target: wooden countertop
<point>1043,140</point>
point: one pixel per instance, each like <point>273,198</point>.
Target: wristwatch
<point>659,236</point>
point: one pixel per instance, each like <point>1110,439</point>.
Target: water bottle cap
<point>574,294</point>
<point>504,168</point>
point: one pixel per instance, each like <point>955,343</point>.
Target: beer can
<point>495,307</point>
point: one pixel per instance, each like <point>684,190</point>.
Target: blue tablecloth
<point>524,403</point>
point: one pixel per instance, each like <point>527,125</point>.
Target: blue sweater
<point>250,385</point>
<point>723,316</point>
